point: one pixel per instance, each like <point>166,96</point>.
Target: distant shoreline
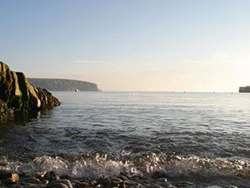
<point>55,84</point>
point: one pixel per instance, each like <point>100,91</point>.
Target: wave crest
<point>99,165</point>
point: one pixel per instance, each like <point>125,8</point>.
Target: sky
<point>130,45</point>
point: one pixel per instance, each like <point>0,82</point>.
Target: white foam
<point>101,165</point>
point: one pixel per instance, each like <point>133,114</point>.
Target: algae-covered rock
<point>18,96</point>
<point>3,110</point>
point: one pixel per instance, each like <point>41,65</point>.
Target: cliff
<point>63,84</point>
<point>244,89</point>
<point>19,98</point>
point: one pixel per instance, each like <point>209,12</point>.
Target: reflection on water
<point>189,134</point>
<point>191,123</point>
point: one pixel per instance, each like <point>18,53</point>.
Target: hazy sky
<point>130,45</point>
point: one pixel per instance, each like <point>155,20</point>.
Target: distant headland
<point>63,84</point>
<point>245,89</point>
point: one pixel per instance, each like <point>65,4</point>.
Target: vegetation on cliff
<point>63,84</point>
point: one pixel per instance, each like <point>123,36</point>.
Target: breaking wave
<point>98,165</point>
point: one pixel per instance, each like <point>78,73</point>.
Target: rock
<point>130,183</point>
<point>31,180</point>
<point>64,181</point>
<point>19,98</point>
<point>13,179</point>
<point>116,181</point>
<point>161,174</point>
<point>5,174</point>
<point>57,185</point>
<point>39,175</point>
<point>185,184</point>
<point>65,176</point>
<point>46,182</point>
<point>123,185</point>
<point>123,177</point>
<point>3,110</point>
<point>8,177</point>
<point>100,186</point>
<point>47,99</point>
<point>162,180</point>
<point>83,184</point>
<point>153,186</point>
<point>245,89</point>
<point>105,181</point>
<point>51,176</point>
<point>170,186</point>
<point>31,185</point>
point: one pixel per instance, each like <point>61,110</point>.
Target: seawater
<point>191,139</point>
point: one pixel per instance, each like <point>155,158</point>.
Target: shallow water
<point>192,139</point>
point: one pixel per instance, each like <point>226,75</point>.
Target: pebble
<point>51,176</point>
<point>171,186</point>
<point>178,157</point>
<point>166,184</point>
<point>44,181</point>
<point>14,178</point>
<point>123,177</point>
<point>31,185</point>
<point>31,180</point>
<point>116,181</point>
<point>153,186</point>
<point>57,185</point>
<point>162,180</point>
<point>83,184</point>
<point>123,185</point>
<point>39,175</point>
<point>99,186</point>
<point>52,180</point>
<point>161,174</point>
<point>64,181</point>
<point>4,174</point>
<point>105,181</point>
<point>130,182</point>
<point>185,184</point>
<point>9,177</point>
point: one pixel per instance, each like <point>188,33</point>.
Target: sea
<point>188,139</point>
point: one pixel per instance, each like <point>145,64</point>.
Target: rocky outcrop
<point>18,96</point>
<point>244,89</point>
